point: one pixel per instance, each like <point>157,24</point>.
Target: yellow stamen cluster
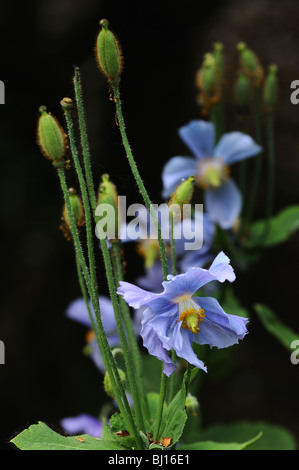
<point>191,318</point>
<point>212,174</point>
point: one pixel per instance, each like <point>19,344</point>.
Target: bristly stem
<point>103,342</point>
<point>147,201</point>
<point>139,180</point>
<point>271,163</point>
<point>105,252</point>
<point>258,158</point>
<point>116,258</point>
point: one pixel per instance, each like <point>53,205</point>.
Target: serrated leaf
<point>41,437</point>
<point>274,325</point>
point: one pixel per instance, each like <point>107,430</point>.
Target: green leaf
<point>272,323</point>
<point>210,445</point>
<point>274,437</point>
<point>280,227</point>
<point>41,437</point>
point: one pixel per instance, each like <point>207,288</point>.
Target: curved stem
<point>138,179</point>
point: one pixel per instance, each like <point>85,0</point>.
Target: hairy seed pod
<point>242,90</point>
<point>50,136</point>
<point>108,196</point>
<point>271,87</point>
<point>250,64</point>
<point>109,54</point>
<point>78,212</point>
<point>182,195</point>
<point>107,382</point>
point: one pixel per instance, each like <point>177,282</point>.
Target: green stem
<point>271,162</point>
<point>154,217</point>
<point>138,179</point>
<point>103,342</point>
<point>118,274</point>
<point>163,386</point>
<point>258,158</point>
<point>107,263</point>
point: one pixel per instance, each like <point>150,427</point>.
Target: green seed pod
<point>107,383</point>
<point>109,54</point>
<point>78,212</point>
<point>191,404</point>
<point>219,58</point>
<point>271,87</point>
<point>107,194</point>
<point>242,90</point>
<point>182,195</point>
<point>250,64</point>
<point>50,136</point>
<point>208,74</point>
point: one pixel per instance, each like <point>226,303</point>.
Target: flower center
<point>190,314</point>
<point>212,172</point>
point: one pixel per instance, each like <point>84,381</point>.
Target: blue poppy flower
<point>83,423</point>
<point>211,168</point>
<point>177,317</point>
<point>78,312</point>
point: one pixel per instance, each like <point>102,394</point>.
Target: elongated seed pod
<point>50,136</point>
<point>109,54</point>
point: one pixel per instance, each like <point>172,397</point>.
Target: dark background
<point>46,377</point>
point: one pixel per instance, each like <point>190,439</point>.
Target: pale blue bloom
<point>177,317</point>
<point>210,167</point>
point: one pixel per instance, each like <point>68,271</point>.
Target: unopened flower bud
<point>242,90</point>
<point>109,54</point>
<point>250,64</point>
<point>182,195</point>
<point>271,87</point>
<point>78,213</point>
<point>108,205</point>
<point>191,404</point>
<point>51,137</point>
<point>107,382</point>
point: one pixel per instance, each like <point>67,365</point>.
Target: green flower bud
<point>109,54</point>
<point>250,64</point>
<point>271,87</point>
<point>78,212</point>
<point>107,194</point>
<point>191,404</point>
<point>107,383</point>
<point>51,137</point>
<point>182,195</point>
<point>242,90</point>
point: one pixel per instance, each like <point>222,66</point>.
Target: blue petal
<point>78,312</point>
<point>82,423</point>
<point>176,169</point>
<point>199,136</point>
<point>153,343</point>
<point>182,344</point>
<point>235,146</point>
<point>224,204</point>
<point>135,296</point>
<point>219,328</point>
<point>221,268</point>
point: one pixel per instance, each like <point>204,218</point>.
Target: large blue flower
<point>210,166</point>
<point>177,316</point>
